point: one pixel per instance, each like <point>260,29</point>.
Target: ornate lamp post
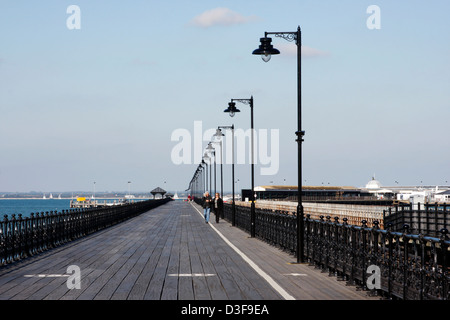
<point>206,157</point>
<point>205,176</point>
<point>212,152</point>
<point>266,50</point>
<point>233,206</point>
<point>218,139</point>
<point>232,110</point>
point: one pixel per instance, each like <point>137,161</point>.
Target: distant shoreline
<point>108,198</point>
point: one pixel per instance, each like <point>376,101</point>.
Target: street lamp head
<point>210,148</point>
<point>218,135</point>
<point>266,50</point>
<point>232,109</point>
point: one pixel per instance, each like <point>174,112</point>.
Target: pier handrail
<point>25,237</point>
<point>425,218</point>
<point>411,266</point>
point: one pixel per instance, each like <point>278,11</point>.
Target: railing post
<point>375,256</point>
<point>422,265</point>
<point>336,244</point>
<point>5,239</point>
<point>13,238</point>
<point>21,236</point>
<point>390,260</point>
<point>436,221</point>
<point>351,280</point>
<point>345,245</point>
<point>405,258</point>
<point>363,254</point>
<point>45,230</point>
<point>307,237</point>
<point>445,213</point>
<point>444,252</point>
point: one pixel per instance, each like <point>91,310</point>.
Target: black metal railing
<point>411,266</point>
<point>427,218</point>
<point>24,237</point>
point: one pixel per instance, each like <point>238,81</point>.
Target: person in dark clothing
<point>206,204</point>
<point>218,207</point>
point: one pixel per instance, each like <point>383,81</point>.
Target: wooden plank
<point>201,290</point>
<point>154,251</point>
<point>170,288</point>
<point>143,255</point>
<point>204,241</point>
<point>157,281</point>
<point>185,284</point>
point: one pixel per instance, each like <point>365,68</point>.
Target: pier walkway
<point>170,253</point>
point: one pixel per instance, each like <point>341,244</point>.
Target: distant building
<point>158,191</point>
<point>274,192</point>
<point>443,196</point>
<point>373,190</point>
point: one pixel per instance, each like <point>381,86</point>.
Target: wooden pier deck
<point>170,253</point>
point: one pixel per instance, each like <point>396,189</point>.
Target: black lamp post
<point>218,139</point>
<point>232,110</point>
<point>208,176</point>
<point>194,185</point>
<point>205,177</point>
<point>212,152</point>
<point>233,206</point>
<point>266,50</point>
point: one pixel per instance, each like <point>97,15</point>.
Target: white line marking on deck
<point>45,275</point>
<point>272,282</point>
<point>295,274</point>
<point>191,275</point>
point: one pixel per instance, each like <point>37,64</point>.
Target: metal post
<point>252,166</point>
<point>232,179</point>
<point>290,36</point>
<point>221,170</point>
<point>252,197</point>
<point>206,177</point>
<point>300,133</point>
<point>233,214</point>
<point>215,180</point>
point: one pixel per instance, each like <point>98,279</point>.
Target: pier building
<point>373,192</point>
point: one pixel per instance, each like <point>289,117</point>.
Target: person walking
<point>206,204</point>
<point>218,207</point>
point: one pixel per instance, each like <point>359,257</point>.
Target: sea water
<point>27,206</point>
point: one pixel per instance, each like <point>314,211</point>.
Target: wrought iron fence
<point>411,266</point>
<point>427,218</point>
<point>24,237</point>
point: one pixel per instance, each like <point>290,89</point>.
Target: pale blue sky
<point>100,103</point>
